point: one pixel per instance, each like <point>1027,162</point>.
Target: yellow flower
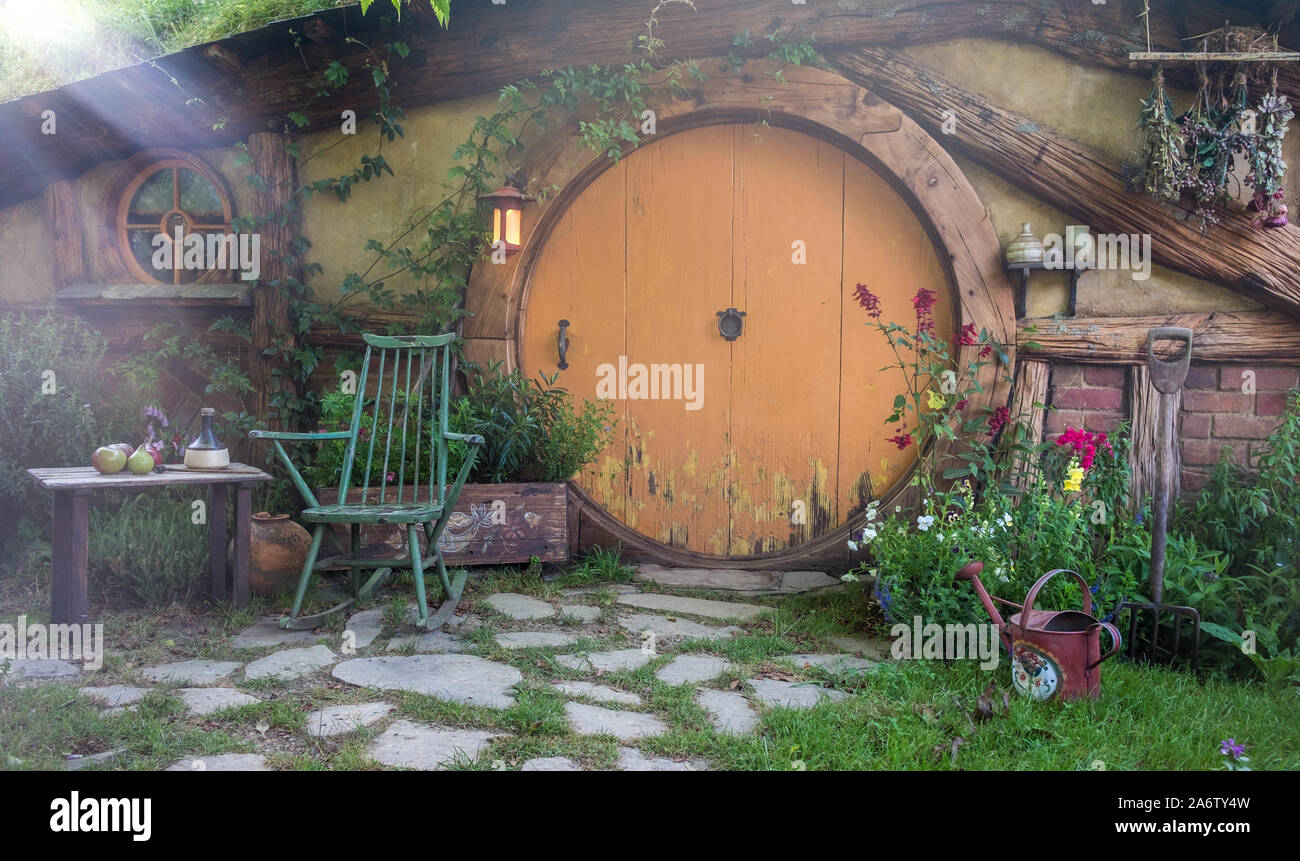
<point>1075,482</point>
<point>933,399</point>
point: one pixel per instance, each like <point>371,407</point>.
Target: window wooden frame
<point>134,173</point>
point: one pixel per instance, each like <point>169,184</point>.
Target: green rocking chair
<point>410,361</point>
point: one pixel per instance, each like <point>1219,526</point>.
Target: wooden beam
<point>1085,185</point>
<point>1218,336</point>
<point>63,215</point>
<point>1214,56</point>
<point>1028,398</point>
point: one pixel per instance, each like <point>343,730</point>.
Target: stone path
<point>693,606</point>
<point>440,669</point>
<point>462,678</point>
<point>36,670</point>
<point>737,580</point>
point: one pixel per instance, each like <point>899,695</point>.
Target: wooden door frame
<point>822,105</point>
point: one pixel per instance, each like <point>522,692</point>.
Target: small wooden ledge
<point>235,295</point>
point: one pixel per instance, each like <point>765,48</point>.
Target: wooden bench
<point>72,486</point>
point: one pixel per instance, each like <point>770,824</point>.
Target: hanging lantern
<point>507,215</point>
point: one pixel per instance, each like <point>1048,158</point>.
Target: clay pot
<point>277,549</point>
<point>1025,248</point>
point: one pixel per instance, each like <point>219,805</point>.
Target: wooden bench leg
<point>243,525</point>
<point>217,540</point>
<point>69,603</point>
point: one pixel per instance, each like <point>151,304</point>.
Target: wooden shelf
<point>1213,56</point>
<point>229,295</point>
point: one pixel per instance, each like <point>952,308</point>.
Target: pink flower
<point>1000,417</point>
<point>967,337</point>
<point>923,303</point>
<point>902,439</point>
<point>868,300</point>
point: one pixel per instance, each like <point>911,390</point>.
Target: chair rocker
<point>409,361</point>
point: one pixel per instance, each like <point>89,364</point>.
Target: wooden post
<point>63,215</point>
<point>272,199</point>
<point>69,602</point>
<point>217,495</point>
<point>1027,400</point>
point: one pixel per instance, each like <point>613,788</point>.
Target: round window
<point>173,219</point>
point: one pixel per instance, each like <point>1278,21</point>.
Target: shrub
<point>38,429</point>
<point>149,548</point>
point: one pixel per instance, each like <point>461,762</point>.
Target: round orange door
<point>707,282</point>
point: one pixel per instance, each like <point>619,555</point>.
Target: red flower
<point>1085,444</point>
<point>902,440</point>
<point>923,302</point>
<point>984,353</point>
<point>868,300</point>
<point>961,405</point>
<point>967,337</point>
<point>1000,417</point>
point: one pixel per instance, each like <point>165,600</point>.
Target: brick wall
<point>1216,411</point>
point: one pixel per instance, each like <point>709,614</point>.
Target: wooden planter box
<point>492,524</point>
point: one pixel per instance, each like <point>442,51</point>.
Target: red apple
<point>108,460</point>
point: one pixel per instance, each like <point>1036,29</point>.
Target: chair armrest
<point>464,437</point>
<point>265,434</point>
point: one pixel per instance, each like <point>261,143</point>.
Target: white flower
<point>871,512</point>
<point>1006,519</point>
<point>849,578</point>
<point>924,522</point>
<point>869,534</point>
<point>942,536</point>
<point>897,509</point>
<point>853,545</point>
<point>1003,577</point>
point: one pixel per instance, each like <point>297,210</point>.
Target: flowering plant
<point>938,386</point>
<point>157,430</point>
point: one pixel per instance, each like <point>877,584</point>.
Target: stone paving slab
<point>114,696</point>
<point>625,726</point>
<point>366,626</point>
<point>222,762</point>
<point>582,612</point>
<point>619,659</point>
<point>666,628</point>
<point>290,664</point>
<point>191,672</point>
<point>27,671</point>
<point>616,588</point>
<point>722,579</point>
<point>337,720</point>
<point>832,663</point>
<point>431,641</point>
<point>550,763</point>
<point>461,678</point>
<point>692,668</point>
<point>808,581</point>
<point>520,607</point>
<point>267,632</point>
<point>425,747</point>
<point>205,701</point>
<point>631,759</point>
<point>728,711</point>
<point>102,758</point>
<point>875,648</point>
<point>693,606</point>
<point>534,640</point>
<point>601,693</point>
<point>792,694</point>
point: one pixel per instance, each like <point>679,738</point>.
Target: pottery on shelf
<point>1025,248</point>
<point>277,548</point>
<point>205,452</point>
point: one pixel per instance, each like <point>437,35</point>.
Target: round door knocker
<point>731,323</point>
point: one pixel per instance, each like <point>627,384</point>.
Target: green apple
<point>140,461</point>
<point>108,460</point>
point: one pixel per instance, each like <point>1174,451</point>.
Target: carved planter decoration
<point>493,524</point>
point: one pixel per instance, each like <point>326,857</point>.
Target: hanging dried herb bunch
<point>1162,168</point>
<point>1267,168</point>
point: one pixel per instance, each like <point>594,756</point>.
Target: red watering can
<point>1054,653</point>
